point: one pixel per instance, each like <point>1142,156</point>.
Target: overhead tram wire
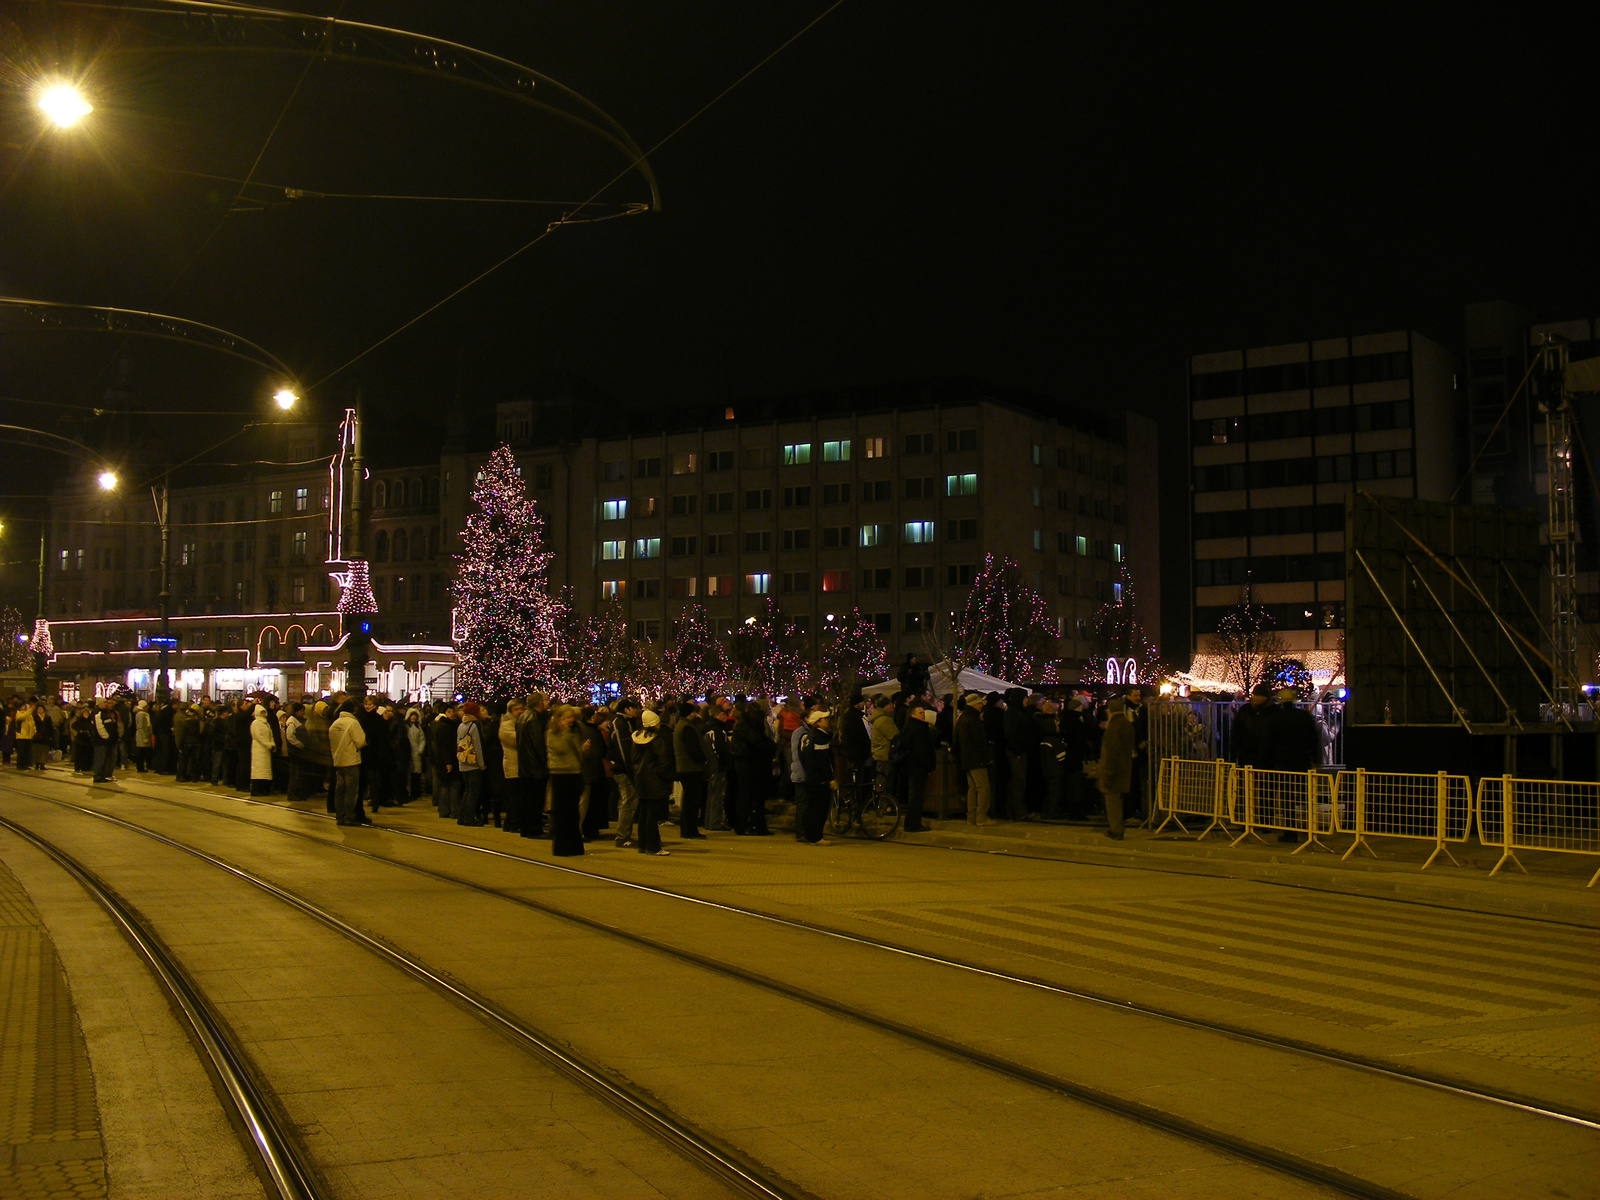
<point>572,218</point>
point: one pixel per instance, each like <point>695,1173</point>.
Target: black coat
<point>1249,738</point>
<point>972,741</point>
<point>921,750</point>
<point>653,766</point>
<point>750,740</point>
<point>532,762</point>
<point>1294,739</point>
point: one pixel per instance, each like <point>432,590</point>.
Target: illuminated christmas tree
<point>763,653</point>
<point>508,619</point>
<point>13,639</point>
<point>695,664</point>
<point>852,652</point>
<point>1118,636</point>
<point>1004,629</point>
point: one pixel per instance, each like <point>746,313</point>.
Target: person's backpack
<point>899,750</point>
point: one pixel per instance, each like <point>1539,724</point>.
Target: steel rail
<point>1375,1066</point>
<point>270,1148</point>
<point>700,1148</point>
<point>1149,1116</point>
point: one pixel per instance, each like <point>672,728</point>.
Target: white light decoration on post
<point>356,594</point>
<point>41,642</point>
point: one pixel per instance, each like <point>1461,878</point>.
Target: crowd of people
<point>542,768</point>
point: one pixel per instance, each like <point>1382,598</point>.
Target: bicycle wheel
<point>880,816</point>
<point>839,814</point>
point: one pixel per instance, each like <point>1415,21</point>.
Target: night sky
<point>1066,203</point>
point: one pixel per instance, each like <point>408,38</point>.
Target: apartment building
<point>1280,435</point>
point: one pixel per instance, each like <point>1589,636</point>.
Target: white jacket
<point>345,739</point>
<point>261,744</point>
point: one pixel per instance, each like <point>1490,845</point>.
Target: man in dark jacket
<point>620,751</point>
<point>166,760</point>
<point>1294,743</point>
<point>1248,738</point>
<point>854,739</point>
<point>917,755</point>
<point>814,796</point>
<point>532,765</point>
<point>975,752</point>
<point>447,771</point>
<point>186,745</point>
<point>1052,756</point>
<point>689,752</point>
<point>913,678</point>
<point>753,751</point>
<point>1022,745</point>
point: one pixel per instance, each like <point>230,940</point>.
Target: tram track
<point>1149,1116</point>
<point>1465,1089</point>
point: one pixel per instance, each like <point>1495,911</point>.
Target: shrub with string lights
<point>508,617</point>
<point>763,653</point>
<point>852,651</point>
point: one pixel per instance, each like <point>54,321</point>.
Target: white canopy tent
<point>939,682</point>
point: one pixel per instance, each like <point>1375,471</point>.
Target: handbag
<point>465,754</point>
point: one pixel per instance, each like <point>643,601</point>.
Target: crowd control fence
<point>1538,814</point>
<point>1511,814</point>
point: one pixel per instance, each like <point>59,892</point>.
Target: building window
<point>919,443</point>
<point>877,490</point>
<point>797,581</point>
<point>1038,539</point>
<point>920,489</point>
<point>297,589</point>
<point>680,587</point>
<point>612,589</point>
<point>719,585</point>
<point>647,589</point>
<point>797,539</point>
<point>877,579</point>
<point>1037,450</point>
<point>719,543</point>
<point>919,622</point>
<point>960,574</point>
<point>960,439</point>
<point>685,506</point>
<point>1038,498</point>
<point>274,502</point>
<point>757,540</point>
<point>302,499</point>
<point>961,531</point>
<point>757,585</point>
<point>874,447</point>
<point>916,577</point>
<point>613,471</point>
<point>919,531</point>
<point>647,468</point>
<point>380,546</point>
<point>298,542</point>
<point>836,493</point>
<point>614,510</point>
<point>66,557</point>
<point>1116,552</point>
<point>1116,592</point>
<point>756,457</point>
<point>647,630</point>
<point>797,497</point>
<point>836,581</point>
<point>186,557</point>
<point>647,547</point>
<point>872,535</point>
<point>612,550</point>
<point>544,477</point>
<point>961,485</point>
<point>835,536</point>
<point>380,495</point>
<point>684,463</point>
<point>836,451</point>
<point>719,460</point>
<point>719,502</point>
<point>683,546</point>
<point>797,455</point>
<point>1082,546</point>
<point>645,507</point>
<point>757,498</point>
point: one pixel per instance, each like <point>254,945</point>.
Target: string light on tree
<point>852,644</point>
<point>355,589</point>
<point>1005,625</point>
<point>695,664</point>
<point>762,652</point>
<point>509,621</point>
<point>41,642</point>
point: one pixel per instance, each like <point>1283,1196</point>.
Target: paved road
<point>399,1093</point>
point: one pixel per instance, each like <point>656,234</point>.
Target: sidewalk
<point>49,1120</point>
<point>1553,890</point>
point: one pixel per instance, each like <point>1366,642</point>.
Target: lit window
<point>797,455</point>
<point>1116,592</point>
<point>961,485</point>
<point>836,581</point>
<point>614,510</point>
<point>872,535</point>
<point>719,585</point>
<point>919,531</point>
<point>299,542</point>
<point>1038,495</point>
<point>1116,551</point>
<point>682,586</point>
<point>1083,546</point>
<point>1038,539</point>
<point>647,547</point>
<point>873,447</point>
<point>757,585</point>
<point>186,557</point>
<point>835,451</point>
<point>685,464</point>
<point>66,559</point>
<point>274,502</point>
<point>297,589</point>
<point>1036,456</point>
<point>611,551</point>
<point>611,589</point>
<point>302,499</point>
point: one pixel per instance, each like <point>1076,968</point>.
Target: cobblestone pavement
<point>51,1125</point>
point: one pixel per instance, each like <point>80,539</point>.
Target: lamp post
<point>40,646</point>
<point>357,605</point>
<point>164,640</point>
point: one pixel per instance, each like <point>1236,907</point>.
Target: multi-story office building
<point>1280,436</point>
<point>884,500</point>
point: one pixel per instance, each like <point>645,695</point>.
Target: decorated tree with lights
<point>507,616</point>
<point>695,664</point>
<point>763,652</point>
<point>1003,629</point>
<point>1117,635</point>
<point>14,637</point>
<point>851,651</point>
<point>1252,650</point>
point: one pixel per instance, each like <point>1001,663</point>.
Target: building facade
<point>1280,435</point>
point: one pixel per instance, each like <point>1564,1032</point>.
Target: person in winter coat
<point>1052,760</point>
<point>532,766</point>
<point>691,760</point>
<point>884,730</point>
<point>185,743</point>
<point>753,751</point>
<point>913,678</point>
<point>144,738</point>
<point>918,755</point>
<point>653,762</point>
<point>564,751</point>
<point>1021,733</point>
<point>261,745</point>
<point>416,743</point>
<point>974,751</point>
<point>511,782</point>
<point>797,777</point>
<point>107,731</point>
<point>620,753</point>
<point>345,740</point>
<point>447,771</point>
<point>814,796</point>
<point>469,756</point>
<point>1117,749</point>
<point>1249,739</point>
<point>83,741</point>
<point>594,803</point>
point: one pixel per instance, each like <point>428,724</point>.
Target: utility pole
<point>357,603</point>
<point>40,644</point>
<point>164,641</point>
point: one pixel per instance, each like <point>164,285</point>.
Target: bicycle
<point>871,810</point>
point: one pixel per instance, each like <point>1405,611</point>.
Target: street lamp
<point>285,398</point>
<point>63,104</point>
<point>107,481</point>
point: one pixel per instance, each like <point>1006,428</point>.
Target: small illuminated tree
<point>1115,633</point>
<point>1003,629</point>
<point>1250,648</point>
<point>763,654</point>
<point>695,664</point>
<point>14,637</point>
<point>852,650</point>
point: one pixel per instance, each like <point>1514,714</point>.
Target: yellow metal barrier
<point>1291,801</point>
<point>1195,788</point>
<point>1436,808</point>
<point>1538,814</point>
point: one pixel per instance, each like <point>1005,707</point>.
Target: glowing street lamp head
<point>285,398</point>
<point>63,104</point>
<point>107,481</point>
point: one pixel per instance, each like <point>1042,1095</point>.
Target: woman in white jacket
<point>261,744</point>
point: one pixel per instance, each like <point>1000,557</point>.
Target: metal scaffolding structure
<point>1554,402</point>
